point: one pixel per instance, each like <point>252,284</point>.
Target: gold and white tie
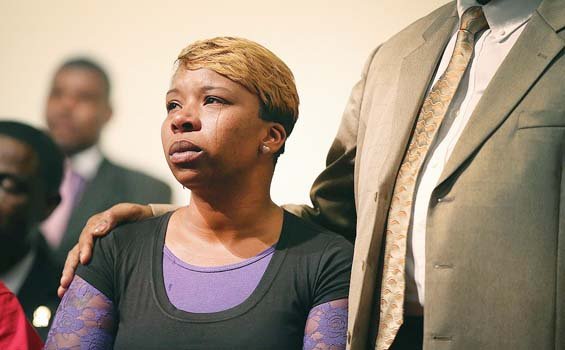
<point>429,120</point>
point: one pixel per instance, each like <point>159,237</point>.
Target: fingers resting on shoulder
<point>97,226</point>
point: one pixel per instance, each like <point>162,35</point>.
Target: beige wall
<point>325,43</point>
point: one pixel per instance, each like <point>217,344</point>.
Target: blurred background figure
<point>78,107</point>
<point>31,168</point>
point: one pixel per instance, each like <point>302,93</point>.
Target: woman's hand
<point>97,226</point>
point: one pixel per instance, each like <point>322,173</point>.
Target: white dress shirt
<point>507,19</point>
<point>87,162</point>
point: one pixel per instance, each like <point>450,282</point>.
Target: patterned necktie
<point>429,120</point>
<point>54,227</point>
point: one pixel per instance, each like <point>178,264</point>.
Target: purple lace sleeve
<point>326,327</point>
<point>84,320</point>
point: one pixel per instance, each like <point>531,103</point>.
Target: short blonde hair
<point>253,66</point>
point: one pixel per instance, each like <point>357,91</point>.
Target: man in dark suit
<point>31,168</point>
<point>78,107</point>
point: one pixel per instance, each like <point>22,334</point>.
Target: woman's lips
<point>183,152</point>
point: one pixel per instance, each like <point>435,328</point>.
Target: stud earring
<point>265,149</point>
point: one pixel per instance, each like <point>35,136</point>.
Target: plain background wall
<point>325,43</point>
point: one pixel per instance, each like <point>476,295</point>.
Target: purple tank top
<point>212,289</point>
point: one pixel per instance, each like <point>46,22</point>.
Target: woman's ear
<point>274,140</point>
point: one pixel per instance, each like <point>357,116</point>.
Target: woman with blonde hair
<point>232,270</point>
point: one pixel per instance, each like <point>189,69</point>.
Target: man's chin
<point>72,148</point>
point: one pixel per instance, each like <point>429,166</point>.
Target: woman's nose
<point>185,122</point>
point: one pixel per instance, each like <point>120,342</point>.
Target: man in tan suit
<point>490,240</point>
<point>447,170</point>
<point>493,252</point>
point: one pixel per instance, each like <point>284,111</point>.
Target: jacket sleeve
<point>332,193</point>
<point>15,330</point>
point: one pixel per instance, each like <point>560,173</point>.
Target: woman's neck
<point>234,208</point>
<point>222,230</point>
<point>240,213</point>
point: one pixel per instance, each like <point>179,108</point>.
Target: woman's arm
<point>84,320</point>
<point>326,327</point>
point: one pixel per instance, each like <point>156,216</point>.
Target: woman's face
<point>212,131</point>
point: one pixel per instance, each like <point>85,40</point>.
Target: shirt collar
<point>86,163</point>
<point>15,277</point>
<point>503,16</point>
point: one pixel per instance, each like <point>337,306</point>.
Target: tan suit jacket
<point>495,243</point>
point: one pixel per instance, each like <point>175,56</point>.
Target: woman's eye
<point>212,100</point>
<point>171,106</point>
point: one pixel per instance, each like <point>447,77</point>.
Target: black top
<point>309,267</point>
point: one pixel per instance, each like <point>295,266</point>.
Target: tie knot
<point>71,175</point>
<point>473,20</point>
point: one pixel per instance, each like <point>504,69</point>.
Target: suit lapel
<point>419,62</point>
<point>416,73</point>
<point>98,195</point>
<point>525,63</point>
<point>416,70</point>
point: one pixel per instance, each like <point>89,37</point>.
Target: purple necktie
<point>71,189</point>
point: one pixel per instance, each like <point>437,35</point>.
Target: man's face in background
<point>22,204</point>
<point>77,108</point>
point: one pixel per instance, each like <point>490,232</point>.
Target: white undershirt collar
<point>86,163</point>
<point>503,16</point>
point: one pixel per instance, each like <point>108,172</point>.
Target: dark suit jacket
<point>40,286</point>
<point>112,184</point>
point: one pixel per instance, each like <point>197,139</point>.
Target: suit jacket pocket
<point>541,119</point>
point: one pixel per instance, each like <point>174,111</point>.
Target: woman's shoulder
<point>305,235</point>
<point>324,256</point>
<point>137,232</point>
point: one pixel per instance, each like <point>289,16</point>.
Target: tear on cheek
<point>217,134</point>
